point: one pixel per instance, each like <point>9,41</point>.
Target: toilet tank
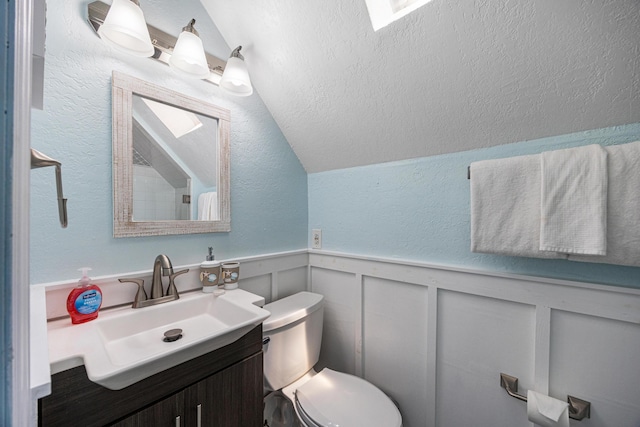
<point>294,332</point>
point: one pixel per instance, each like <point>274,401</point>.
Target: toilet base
<point>279,411</point>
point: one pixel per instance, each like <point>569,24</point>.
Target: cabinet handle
<point>178,421</point>
<point>199,415</point>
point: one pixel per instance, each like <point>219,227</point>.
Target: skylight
<point>384,12</point>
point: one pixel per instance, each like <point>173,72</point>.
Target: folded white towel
<point>505,207</point>
<point>623,216</point>
<point>574,200</point>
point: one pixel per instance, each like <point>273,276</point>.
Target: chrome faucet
<point>161,267</point>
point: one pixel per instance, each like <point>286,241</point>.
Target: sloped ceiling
<point>452,76</point>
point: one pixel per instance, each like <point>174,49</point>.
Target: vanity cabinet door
<point>230,398</point>
<point>165,413</point>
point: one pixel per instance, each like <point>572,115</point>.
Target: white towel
<point>505,207</point>
<point>208,206</point>
<point>574,200</point>
<point>623,216</point>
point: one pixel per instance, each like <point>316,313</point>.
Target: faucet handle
<point>171,289</point>
<point>141,295</point>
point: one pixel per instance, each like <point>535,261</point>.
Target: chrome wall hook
<point>39,160</point>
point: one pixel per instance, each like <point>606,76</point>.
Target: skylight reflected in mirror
<point>179,122</point>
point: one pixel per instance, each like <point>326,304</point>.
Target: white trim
<point>24,403</point>
<point>432,354</point>
<point>359,324</point>
<point>454,268</point>
<point>542,349</point>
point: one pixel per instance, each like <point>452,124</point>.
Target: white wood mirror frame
<point>124,87</point>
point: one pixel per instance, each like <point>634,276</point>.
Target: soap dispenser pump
<point>210,273</point>
<point>85,300</point>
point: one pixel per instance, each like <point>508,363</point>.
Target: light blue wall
<point>419,210</point>
<point>268,183</point>
<point>415,210</point>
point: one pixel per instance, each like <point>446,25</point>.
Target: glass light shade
<point>235,79</point>
<point>188,56</point>
<point>125,29</point>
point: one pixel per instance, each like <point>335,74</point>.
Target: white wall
<point>436,340</point>
<point>153,197</point>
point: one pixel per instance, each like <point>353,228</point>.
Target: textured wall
<point>268,184</point>
<point>451,76</point>
<point>419,210</point>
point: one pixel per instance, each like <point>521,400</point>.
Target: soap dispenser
<point>210,273</point>
<point>85,300</point>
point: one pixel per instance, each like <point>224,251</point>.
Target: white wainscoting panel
<point>479,337</point>
<point>339,330</point>
<point>259,285</point>
<point>290,282</point>
<point>598,360</point>
<point>395,314</point>
<point>437,338</point>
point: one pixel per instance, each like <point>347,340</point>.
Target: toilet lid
<point>335,399</point>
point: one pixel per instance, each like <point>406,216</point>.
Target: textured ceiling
<point>451,76</point>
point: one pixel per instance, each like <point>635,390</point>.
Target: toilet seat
<point>331,399</point>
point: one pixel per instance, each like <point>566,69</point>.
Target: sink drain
<point>172,335</point>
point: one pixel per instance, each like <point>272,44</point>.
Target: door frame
<point>23,403</point>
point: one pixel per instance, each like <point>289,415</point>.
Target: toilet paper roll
<point>547,411</point>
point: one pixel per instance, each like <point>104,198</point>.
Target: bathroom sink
<point>126,345</point>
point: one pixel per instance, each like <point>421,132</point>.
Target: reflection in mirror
<point>174,162</point>
<point>171,161</point>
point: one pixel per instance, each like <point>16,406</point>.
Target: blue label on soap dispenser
<point>88,302</point>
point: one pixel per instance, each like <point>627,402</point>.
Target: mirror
<point>170,162</point>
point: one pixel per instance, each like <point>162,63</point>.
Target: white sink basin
<point>125,345</point>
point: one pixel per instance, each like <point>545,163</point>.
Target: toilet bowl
<point>292,337</point>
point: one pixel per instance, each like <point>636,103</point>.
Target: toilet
<point>292,336</point>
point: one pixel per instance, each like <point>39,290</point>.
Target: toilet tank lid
<point>290,309</point>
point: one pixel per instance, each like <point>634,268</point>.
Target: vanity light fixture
<point>188,54</point>
<point>164,46</point>
<point>125,29</point>
<point>235,79</point>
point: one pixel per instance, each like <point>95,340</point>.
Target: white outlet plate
<point>316,238</point>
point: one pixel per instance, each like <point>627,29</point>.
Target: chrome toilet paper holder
<point>578,408</point>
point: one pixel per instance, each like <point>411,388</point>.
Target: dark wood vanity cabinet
<point>219,389</point>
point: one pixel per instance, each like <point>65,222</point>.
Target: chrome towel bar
<point>578,408</point>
